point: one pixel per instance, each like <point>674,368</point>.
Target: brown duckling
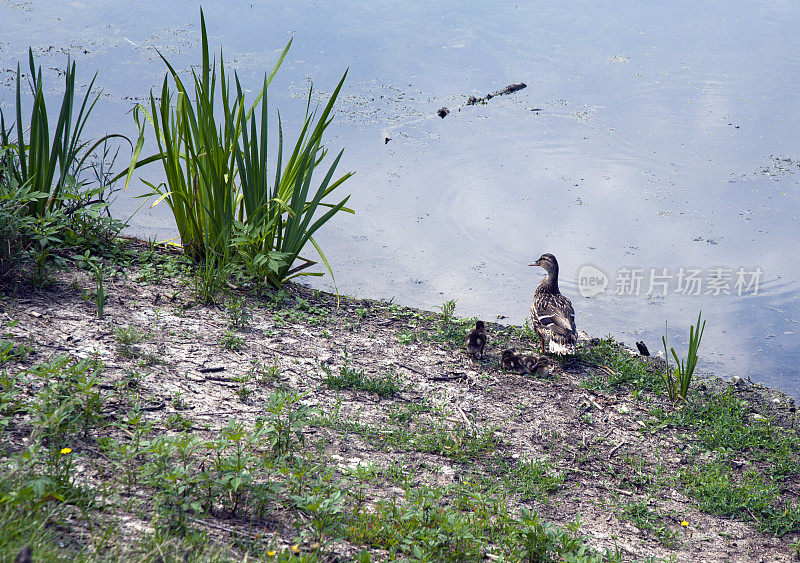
<point>476,340</point>
<point>523,365</point>
<point>552,315</point>
<point>511,361</point>
<point>534,364</point>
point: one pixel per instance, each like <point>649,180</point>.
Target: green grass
<point>626,371</point>
<point>721,423</point>
<point>426,434</point>
<point>717,489</point>
<point>385,384</point>
<point>458,443</point>
<point>428,526</point>
<point>533,479</point>
<point>407,412</point>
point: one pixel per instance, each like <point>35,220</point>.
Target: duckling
<point>510,361</point>
<point>523,365</point>
<point>552,315</point>
<point>476,340</point>
<point>534,364</point>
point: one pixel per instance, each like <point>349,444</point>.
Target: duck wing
<point>555,312</point>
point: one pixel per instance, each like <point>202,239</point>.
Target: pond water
<point>654,142</point>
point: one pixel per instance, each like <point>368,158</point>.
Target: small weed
<point>451,330</point>
<point>179,422</point>
<point>178,402</point>
<point>638,513</point>
<point>238,313</point>
<point>263,373</point>
<point>283,429</point>
<point>100,293</point>
<point>127,338</point>
<point>406,336</point>
<point>447,309</point>
<point>70,399</point>
<point>244,392</point>
<point>11,351</point>
<point>366,473</point>
<point>231,341</point>
<point>526,332</point>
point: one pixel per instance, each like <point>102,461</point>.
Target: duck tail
<point>561,349</point>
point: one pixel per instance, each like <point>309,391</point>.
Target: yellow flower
<point>295,548</point>
<point>684,523</point>
<point>65,451</point>
<point>271,553</point>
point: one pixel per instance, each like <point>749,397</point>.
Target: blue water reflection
<point>651,135</point>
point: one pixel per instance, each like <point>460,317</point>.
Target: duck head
<point>549,263</point>
<point>479,326</point>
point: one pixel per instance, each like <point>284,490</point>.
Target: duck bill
<point>535,264</point>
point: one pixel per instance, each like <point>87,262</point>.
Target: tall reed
<point>197,155</point>
<point>679,379</point>
<point>276,217</point>
<point>217,172</point>
<point>50,167</point>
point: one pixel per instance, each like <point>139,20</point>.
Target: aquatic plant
<point>278,215</point>
<point>679,379</point>
<point>217,182</point>
<point>196,155</point>
<point>54,190</point>
<point>51,168</point>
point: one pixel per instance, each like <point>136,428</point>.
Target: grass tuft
<point>385,384</point>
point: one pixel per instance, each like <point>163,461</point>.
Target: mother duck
<point>552,315</point>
